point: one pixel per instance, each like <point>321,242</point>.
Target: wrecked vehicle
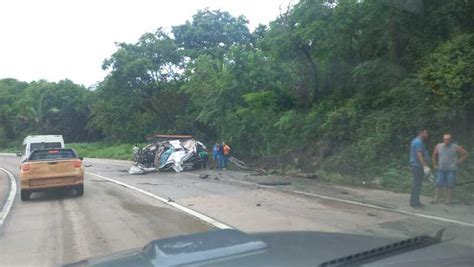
<point>162,155</point>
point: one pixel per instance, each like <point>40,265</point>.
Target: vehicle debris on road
<point>163,155</point>
<point>140,170</point>
<point>203,176</point>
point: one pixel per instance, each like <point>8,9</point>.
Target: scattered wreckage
<point>168,152</point>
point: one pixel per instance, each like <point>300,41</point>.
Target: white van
<point>34,142</point>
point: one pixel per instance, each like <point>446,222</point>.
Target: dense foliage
<point>43,107</point>
<point>343,85</point>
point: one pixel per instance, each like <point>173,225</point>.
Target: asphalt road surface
<point>55,228</point>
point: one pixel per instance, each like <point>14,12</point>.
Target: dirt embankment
<point>321,161</point>
<point>303,159</point>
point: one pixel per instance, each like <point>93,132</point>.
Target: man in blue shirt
<point>419,158</point>
<point>217,155</point>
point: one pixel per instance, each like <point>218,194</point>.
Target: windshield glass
<point>35,146</point>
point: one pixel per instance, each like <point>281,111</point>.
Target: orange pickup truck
<point>51,168</point>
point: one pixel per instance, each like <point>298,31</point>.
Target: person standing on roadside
<point>226,153</point>
<point>217,155</point>
<point>445,160</point>
<point>221,154</point>
<point>204,157</point>
<point>419,165</point>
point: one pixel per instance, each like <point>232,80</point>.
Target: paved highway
<point>55,228</point>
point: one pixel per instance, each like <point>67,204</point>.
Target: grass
<point>103,150</point>
<point>88,150</point>
<point>11,147</point>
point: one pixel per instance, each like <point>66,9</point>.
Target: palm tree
<point>40,113</point>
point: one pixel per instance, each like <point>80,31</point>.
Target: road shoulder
<point>383,199</point>
<point>8,188</point>
<point>4,188</point>
<point>368,196</point>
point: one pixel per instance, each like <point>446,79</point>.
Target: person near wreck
<point>226,154</point>
<point>445,160</point>
<point>217,155</point>
<point>204,158</point>
<point>419,159</point>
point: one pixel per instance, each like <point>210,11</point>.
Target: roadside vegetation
<point>103,150</point>
<point>338,90</point>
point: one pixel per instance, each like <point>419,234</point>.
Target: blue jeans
<point>446,178</point>
<point>222,161</point>
<point>226,159</point>
<point>418,176</point>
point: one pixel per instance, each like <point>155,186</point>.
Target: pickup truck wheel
<point>80,190</point>
<point>25,195</point>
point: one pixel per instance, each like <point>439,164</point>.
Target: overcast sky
<point>58,39</point>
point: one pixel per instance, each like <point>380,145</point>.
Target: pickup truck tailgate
<point>53,172</point>
<point>53,169</point>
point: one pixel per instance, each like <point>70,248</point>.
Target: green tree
<point>53,108</point>
<point>140,94</point>
<point>212,32</point>
<point>10,91</point>
<point>449,74</point>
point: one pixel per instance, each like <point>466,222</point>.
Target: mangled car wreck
<point>163,154</point>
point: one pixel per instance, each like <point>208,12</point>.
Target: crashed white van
<point>34,142</point>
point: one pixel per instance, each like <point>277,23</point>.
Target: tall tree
<point>140,94</point>
<point>212,32</point>
<point>51,108</point>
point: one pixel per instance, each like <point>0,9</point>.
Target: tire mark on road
<point>181,208</point>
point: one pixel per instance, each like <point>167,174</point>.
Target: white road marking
<point>11,197</point>
<point>405,212</point>
<point>182,208</point>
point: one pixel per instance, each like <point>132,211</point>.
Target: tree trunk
<point>314,69</point>
<point>395,37</point>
